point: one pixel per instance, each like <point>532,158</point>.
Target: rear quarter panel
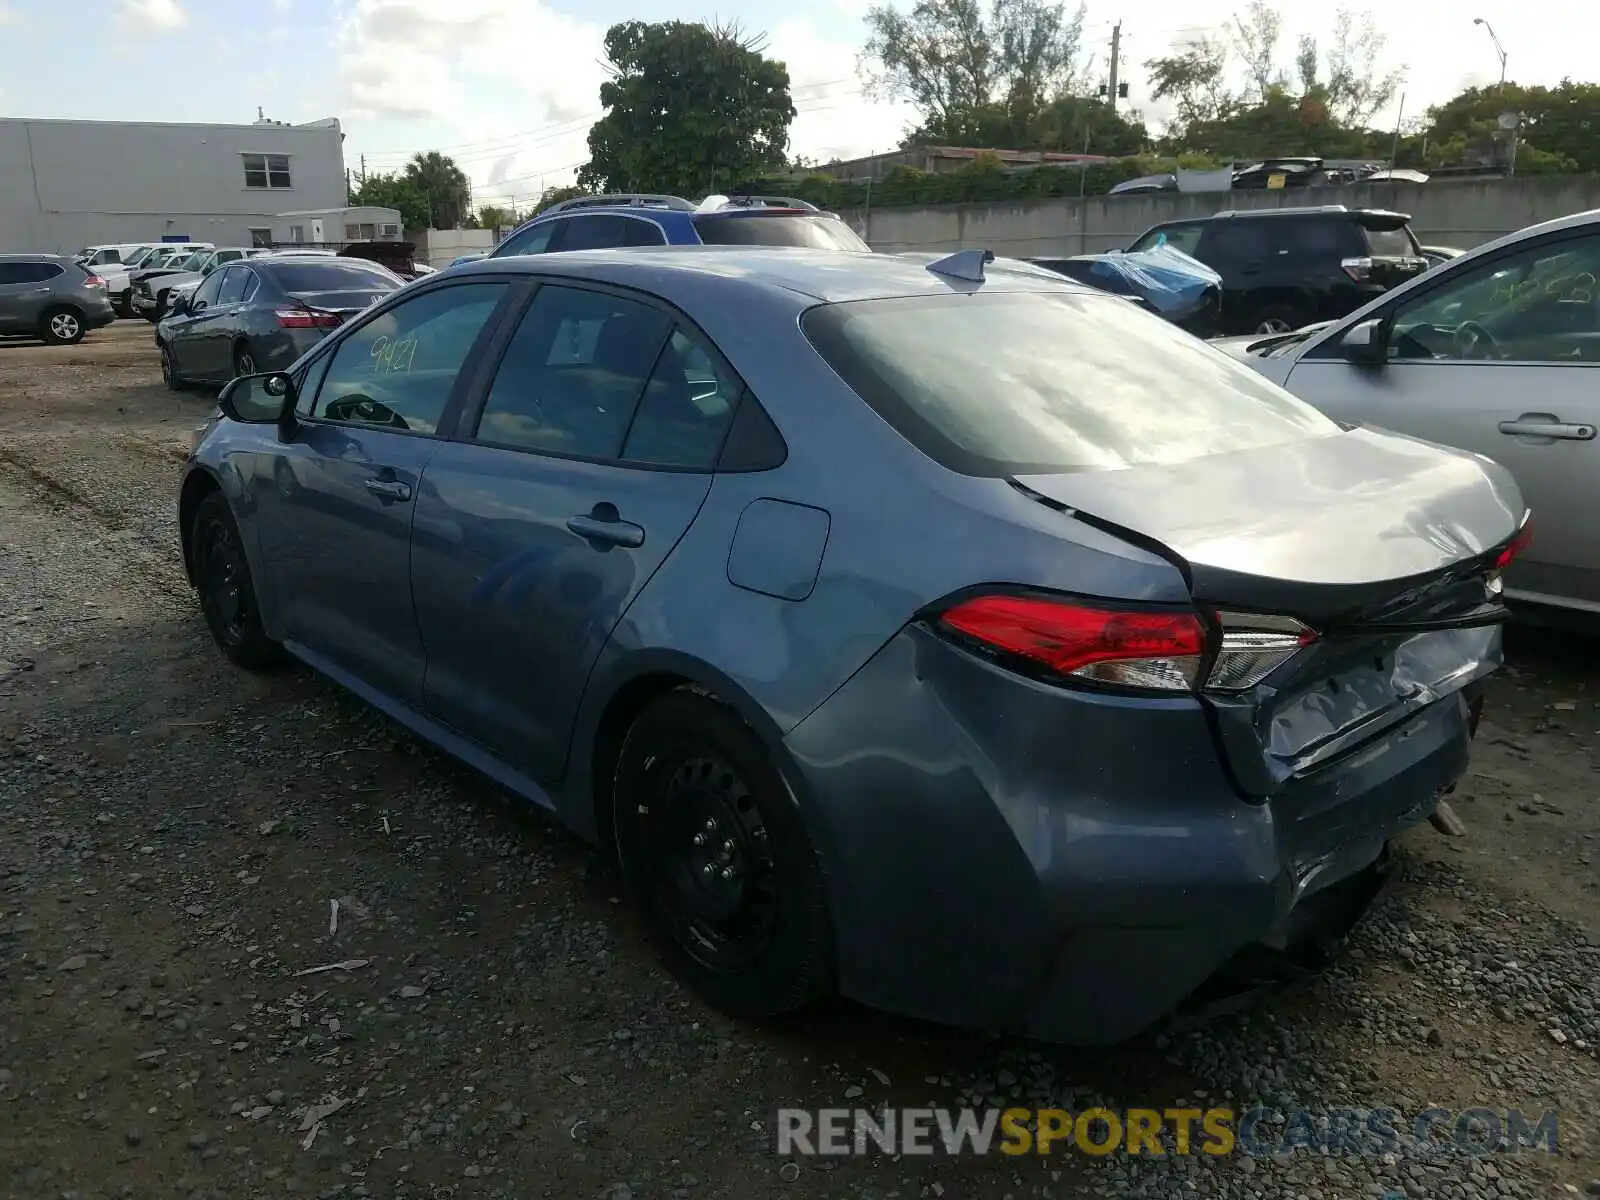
<point>902,532</point>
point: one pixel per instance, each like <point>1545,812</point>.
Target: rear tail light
<point>1151,650</point>
<point>305,318</point>
<point>1515,546</point>
<point>1253,646</point>
<point>1142,649</point>
<point>94,281</point>
<point>1359,269</point>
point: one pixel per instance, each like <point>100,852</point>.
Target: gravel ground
<point>256,941</point>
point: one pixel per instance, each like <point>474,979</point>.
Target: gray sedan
<point>1497,352</point>
<point>950,635</point>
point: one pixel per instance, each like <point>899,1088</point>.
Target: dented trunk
<point>1382,549</point>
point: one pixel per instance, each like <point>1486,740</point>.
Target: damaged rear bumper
<point>1013,857</point>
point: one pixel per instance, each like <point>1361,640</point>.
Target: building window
<point>391,231</point>
<point>297,233</point>
<point>266,171</point>
<point>261,237</point>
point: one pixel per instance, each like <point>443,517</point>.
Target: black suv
<point>1283,268</point>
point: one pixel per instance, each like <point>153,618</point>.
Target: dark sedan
<point>263,314</point>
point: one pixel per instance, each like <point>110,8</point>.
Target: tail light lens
<point>1253,646</point>
<point>1144,649</point>
<point>1515,546</point>
<point>1359,269</point>
<point>94,280</point>
<point>305,318</point>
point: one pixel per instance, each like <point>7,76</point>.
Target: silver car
<point>1498,352</point>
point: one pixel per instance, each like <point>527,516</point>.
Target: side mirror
<point>259,399</point>
<point>181,306</point>
<point>1364,344</point>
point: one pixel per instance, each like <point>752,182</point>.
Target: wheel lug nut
<point>709,869</point>
<point>728,846</point>
<point>727,872</point>
<point>699,839</point>
<point>711,824</point>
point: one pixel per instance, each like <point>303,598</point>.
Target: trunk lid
<point>1383,545</point>
<point>346,302</point>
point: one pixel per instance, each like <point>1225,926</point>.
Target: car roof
<point>25,256</point>
<point>830,276</point>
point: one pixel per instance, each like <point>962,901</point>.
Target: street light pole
<point>1498,48</point>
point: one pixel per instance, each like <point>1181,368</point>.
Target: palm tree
<point>444,184</point>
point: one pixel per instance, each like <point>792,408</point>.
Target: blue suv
<point>606,222</point>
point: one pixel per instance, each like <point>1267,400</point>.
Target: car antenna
<point>963,264</point>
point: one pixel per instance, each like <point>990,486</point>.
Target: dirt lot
<point>173,834</point>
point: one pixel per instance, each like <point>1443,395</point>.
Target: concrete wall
<point>69,184</point>
<point>440,247</point>
<point>1460,213</point>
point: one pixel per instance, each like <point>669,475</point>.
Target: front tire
<point>717,860</point>
<point>61,327</point>
<point>161,308</point>
<point>227,593</point>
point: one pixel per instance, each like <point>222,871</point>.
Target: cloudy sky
<point>509,87</point>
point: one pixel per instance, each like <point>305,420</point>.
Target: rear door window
<point>35,272</point>
<point>234,283</point>
<point>573,373</point>
<point>1042,382</point>
<point>598,232</point>
<point>1236,243</point>
<point>777,229</point>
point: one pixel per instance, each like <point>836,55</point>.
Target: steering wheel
<point>1472,340</point>
<point>363,410</point>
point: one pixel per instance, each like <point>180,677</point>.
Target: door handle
<point>389,489</point>
<point>1548,429</point>
<point>604,527</point>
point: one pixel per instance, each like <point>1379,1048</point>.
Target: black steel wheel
<point>227,593</point>
<point>715,855</point>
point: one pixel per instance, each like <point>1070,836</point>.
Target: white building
<point>69,184</point>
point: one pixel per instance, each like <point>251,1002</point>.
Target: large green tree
<point>445,185</point>
<point>976,73</point>
<point>397,192</point>
<point>690,108</point>
<point>1560,128</point>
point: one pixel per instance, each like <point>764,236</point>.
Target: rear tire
<point>169,372</point>
<point>715,856</point>
<point>1278,318</point>
<point>62,327</point>
<point>227,593</point>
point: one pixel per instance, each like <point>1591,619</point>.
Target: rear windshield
<point>336,276</point>
<point>1032,383</point>
<point>797,229</point>
<point>1391,243</point>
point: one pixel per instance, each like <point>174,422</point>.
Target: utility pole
<point>1116,53</point>
<point>363,170</point>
